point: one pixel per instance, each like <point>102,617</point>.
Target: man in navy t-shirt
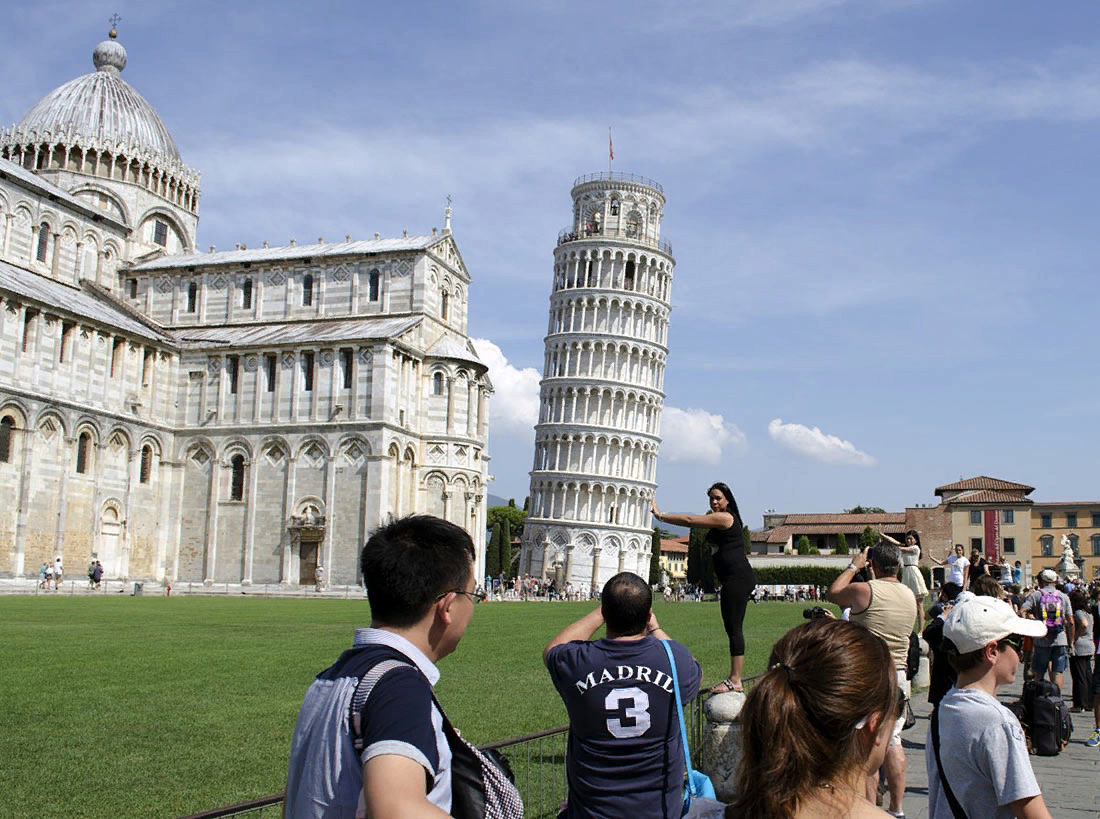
<point>624,757</point>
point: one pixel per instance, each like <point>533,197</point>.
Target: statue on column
<point>1067,567</point>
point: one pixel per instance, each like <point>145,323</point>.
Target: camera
<point>814,613</point>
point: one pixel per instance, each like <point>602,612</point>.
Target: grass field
<point>161,707</point>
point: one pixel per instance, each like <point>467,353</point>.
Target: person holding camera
<point>888,609</point>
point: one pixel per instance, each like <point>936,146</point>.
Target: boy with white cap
<point>977,760</point>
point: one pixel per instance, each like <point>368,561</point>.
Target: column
<point>471,407</point>
<point>288,510</point>
<point>31,257</point>
<point>325,557</point>
<point>9,220</point>
<point>212,521</point>
<point>622,560</point>
<point>545,559</point>
<point>25,474</point>
<point>250,520</point>
<point>450,382</point>
<point>63,494</point>
<point>133,458</point>
<point>569,550</point>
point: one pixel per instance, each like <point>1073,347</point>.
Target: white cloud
<point>698,435</point>
<point>817,445</point>
<point>514,407</point>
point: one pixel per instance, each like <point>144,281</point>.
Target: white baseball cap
<point>1048,576</point>
<point>976,622</point>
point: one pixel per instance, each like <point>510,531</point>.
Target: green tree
<point>527,504</point>
<point>506,548</point>
<point>655,557</point>
<point>516,517</point>
<point>804,547</point>
<point>868,537</point>
<point>512,503</point>
<point>492,554</point>
<point>842,544</point>
<point>700,564</point>
<point>747,535</point>
<point>865,510</point>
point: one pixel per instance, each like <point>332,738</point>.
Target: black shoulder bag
<point>956,808</point>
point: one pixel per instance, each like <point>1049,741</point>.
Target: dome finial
<point>110,55</point>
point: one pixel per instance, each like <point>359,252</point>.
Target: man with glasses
<point>624,757</point>
<point>387,755</point>
<point>976,753</point>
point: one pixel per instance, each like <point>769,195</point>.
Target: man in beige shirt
<point>888,609</point>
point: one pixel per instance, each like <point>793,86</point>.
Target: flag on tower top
<point>610,147</point>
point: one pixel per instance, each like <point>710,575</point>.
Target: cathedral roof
<point>461,350</point>
<point>297,332</point>
<point>276,254</point>
<point>101,109</point>
<point>86,301</point>
<point>30,180</point>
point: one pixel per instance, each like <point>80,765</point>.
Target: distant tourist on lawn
<point>97,575</point>
<point>319,579</point>
<point>725,537</point>
<point>816,725</point>
<point>391,758</point>
<point>91,574</point>
<point>43,573</point>
<point>976,753</point>
<point>49,574</point>
<point>58,572</point>
<point>624,757</point>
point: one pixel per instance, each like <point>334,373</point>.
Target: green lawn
<point>123,706</point>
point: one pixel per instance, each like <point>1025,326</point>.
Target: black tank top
<point>728,548</point>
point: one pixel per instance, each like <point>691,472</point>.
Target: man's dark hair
<point>949,591</point>
<point>886,557</point>
<point>409,564</point>
<point>626,603</point>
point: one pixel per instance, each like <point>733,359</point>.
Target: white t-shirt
<point>956,565</point>
<point>984,756</point>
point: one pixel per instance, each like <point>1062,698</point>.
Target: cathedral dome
<point>101,108</point>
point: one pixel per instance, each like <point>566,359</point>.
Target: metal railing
<point>616,176</point>
<point>537,760</point>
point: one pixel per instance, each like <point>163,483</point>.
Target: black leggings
<point>735,600</point>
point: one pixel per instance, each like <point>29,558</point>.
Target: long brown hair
<point>800,723</point>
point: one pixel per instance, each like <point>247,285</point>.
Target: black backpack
<point>1046,718</point>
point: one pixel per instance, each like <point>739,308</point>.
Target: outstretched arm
<point>847,594</point>
<point>715,520</point>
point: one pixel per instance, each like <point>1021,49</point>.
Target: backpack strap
<point>362,691</point>
<point>956,808</point>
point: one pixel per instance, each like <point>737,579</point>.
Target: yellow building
<point>673,559</point>
<point>1079,522</point>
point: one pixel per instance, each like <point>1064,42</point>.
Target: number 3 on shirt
<point>638,711</point>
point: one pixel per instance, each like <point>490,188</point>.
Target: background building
<point>236,417</point>
<point>598,432</point>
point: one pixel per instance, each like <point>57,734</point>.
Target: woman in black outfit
<point>731,564</point>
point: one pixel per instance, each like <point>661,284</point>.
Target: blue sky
<point>881,211</point>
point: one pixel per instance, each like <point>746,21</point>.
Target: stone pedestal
<point>722,742</point>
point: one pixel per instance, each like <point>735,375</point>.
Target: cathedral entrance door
<point>308,563</point>
<point>110,532</point>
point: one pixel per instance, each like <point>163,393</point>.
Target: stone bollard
<point>923,677</point>
<point>722,742</point>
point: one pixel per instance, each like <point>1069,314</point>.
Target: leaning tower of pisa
<point>599,426</point>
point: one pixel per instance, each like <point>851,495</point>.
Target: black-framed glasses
<point>475,596</point>
<point>1014,640</point>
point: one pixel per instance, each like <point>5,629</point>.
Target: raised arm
<point>583,629</point>
<point>847,594</point>
<point>714,520</point>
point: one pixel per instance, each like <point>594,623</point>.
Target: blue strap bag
<point>698,783</point>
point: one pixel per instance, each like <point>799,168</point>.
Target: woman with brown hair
<point>816,725</point>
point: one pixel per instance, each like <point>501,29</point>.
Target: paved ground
<point>1070,781</point>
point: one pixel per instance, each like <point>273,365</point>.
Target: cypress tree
<point>506,548</point>
<point>492,554</point>
<point>655,558</point>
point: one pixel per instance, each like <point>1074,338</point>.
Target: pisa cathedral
<point>239,416</point>
<point>602,390</point>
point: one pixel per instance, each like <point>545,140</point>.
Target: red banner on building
<point>992,535</point>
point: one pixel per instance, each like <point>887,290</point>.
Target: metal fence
<point>537,760</point>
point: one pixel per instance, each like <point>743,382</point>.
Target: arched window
<point>307,290</point>
<point>133,288</point>
<point>146,464</point>
<point>374,281</point>
<point>614,207</point>
<point>82,444</point>
<point>236,488</point>
<point>246,294</point>
<point>1096,545</point>
<point>437,384</point>
<point>7,424</point>
<point>628,283</point>
<point>444,305</point>
<point>43,241</point>
<point>192,297</point>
